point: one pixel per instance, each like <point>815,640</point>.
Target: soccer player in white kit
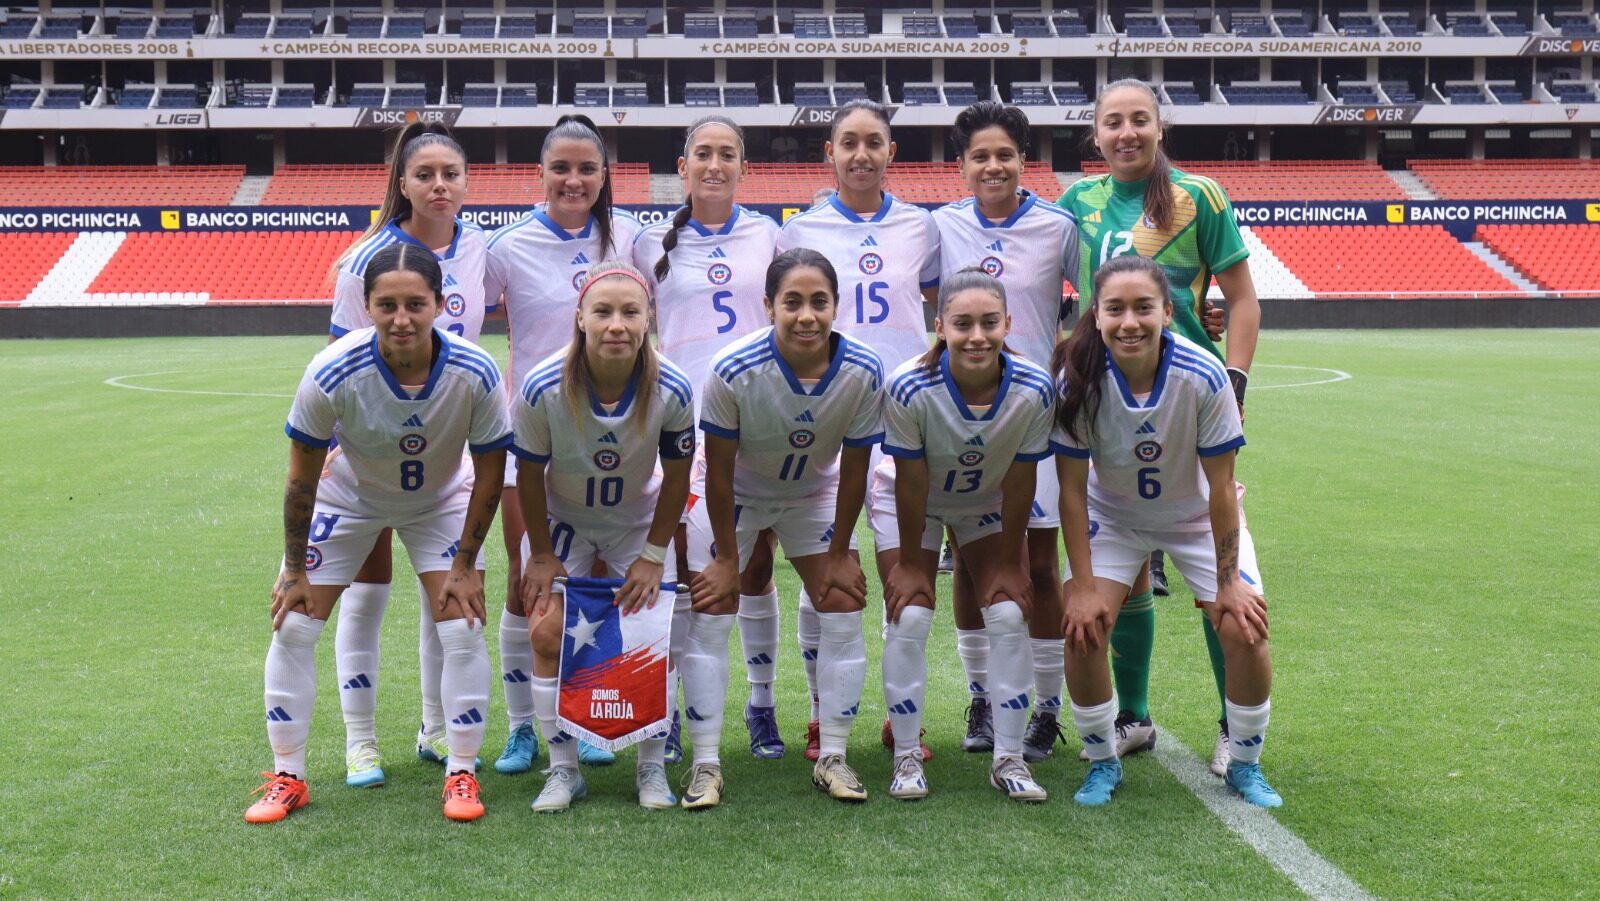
<point>405,400</point>
<point>706,266</point>
<point>536,265</point>
<point>966,425</point>
<point>1030,245</point>
<point>591,424</point>
<point>421,206</point>
<point>1156,415</point>
<point>791,414</point>
<point>887,256</point>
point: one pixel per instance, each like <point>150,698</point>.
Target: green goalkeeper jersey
<point>1203,239</point>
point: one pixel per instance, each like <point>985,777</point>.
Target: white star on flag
<point>582,632</point>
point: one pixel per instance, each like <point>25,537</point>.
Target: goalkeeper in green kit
<point>1185,223</point>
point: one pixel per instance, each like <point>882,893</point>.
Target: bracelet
<point>1240,380</point>
<point>654,553</point>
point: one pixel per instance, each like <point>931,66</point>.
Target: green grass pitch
<point>1427,529</point>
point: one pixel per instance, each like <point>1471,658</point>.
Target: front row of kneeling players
<point>791,414</point>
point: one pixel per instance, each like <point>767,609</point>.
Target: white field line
<point>1283,849</point>
<point>119,381</point>
<point>1335,375</point>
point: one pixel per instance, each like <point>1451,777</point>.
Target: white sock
<point>1049,657</point>
<point>464,687</point>
<point>1010,675</point>
<point>758,633</point>
<point>905,676</point>
<point>972,645</point>
<point>705,682</point>
<point>355,657</point>
<point>841,670</point>
<point>546,695</point>
<point>653,750</point>
<point>1097,727</point>
<point>1247,730</point>
<point>291,691</point>
<point>516,667</point>
<point>680,635</point>
<point>430,657</point>
<point>809,632</point>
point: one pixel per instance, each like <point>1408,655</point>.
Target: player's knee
<point>547,635</point>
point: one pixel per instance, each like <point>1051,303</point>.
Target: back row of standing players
<point>705,269</point>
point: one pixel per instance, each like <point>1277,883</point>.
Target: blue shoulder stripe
<point>344,365</point>
<point>358,265</point>
<point>756,349</point>
<point>678,384</point>
<point>339,378</point>
<point>904,391</point>
<point>472,369</point>
<point>872,365</point>
<point>1183,353</point>
<point>508,229</point>
<point>1212,379</point>
<point>344,358</point>
<point>533,392</point>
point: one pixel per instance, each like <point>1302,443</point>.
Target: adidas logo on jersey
<point>451,551</point>
<point>608,438</point>
<point>870,242</point>
<point>828,535</point>
<point>1093,217</point>
<point>1145,429</point>
<point>580,260</point>
<point>997,247</point>
<point>975,441</point>
<point>412,422</point>
<point>717,254</point>
<point>450,281</point>
<point>805,417</point>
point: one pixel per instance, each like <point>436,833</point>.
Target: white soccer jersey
<point>539,266</point>
<point>790,434</point>
<point>399,451</point>
<point>1146,472</point>
<point>462,264</point>
<point>968,454</point>
<point>884,261</point>
<point>712,294</point>
<point>1030,253</point>
<point>600,468</point>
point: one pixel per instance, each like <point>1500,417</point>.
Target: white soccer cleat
<point>834,776</point>
<point>909,782</point>
<point>562,786</point>
<point>1222,754</point>
<point>1133,736</point>
<point>654,792</point>
<point>1012,776</point>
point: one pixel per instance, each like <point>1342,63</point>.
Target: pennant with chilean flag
<point>613,667</point>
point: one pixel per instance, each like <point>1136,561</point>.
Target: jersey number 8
<point>410,475</point>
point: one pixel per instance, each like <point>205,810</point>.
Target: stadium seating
<point>1290,180</point>
<point>1251,25</point>
<point>1398,91</point>
<point>1264,93</point>
<point>589,26</point>
<point>1143,26</point>
<point>406,25</point>
<point>962,95</point>
<point>630,26</point>
<point>1184,26</point>
<point>178,96</point>
<point>366,23</point>
<point>519,26</point>
<point>22,96</point>
<point>251,26</point>
<point>1353,93</point>
<point>701,25</point>
<point>59,27</point>
<point>1069,25</point>
<point>850,25</point>
<point>960,26</point>
<point>225,266</point>
<point>926,94</point>
<point>174,26</point>
<point>519,95</point>
<point>477,26</point>
<point>1572,92</point>
<point>1574,24</point>
<point>1416,261</point>
<point>1509,179</point>
<point>134,26</point>
<point>295,26</point>
<point>1030,26</point>
<point>17,27</point>
<point>136,96</point>
<point>119,185</point>
<point>1291,25</point>
<point>1031,94</point>
<point>1466,25</point>
<point>252,95</point>
<point>480,95</point>
<point>1463,93</point>
<point>1554,257</point>
<point>920,26</point>
<point>742,94</point>
<point>28,256</point>
<point>812,27</point>
<point>487,183</point>
<point>592,94</point>
<point>1069,93</point>
<point>1506,92</point>
<point>635,94</point>
<point>1508,24</point>
<point>371,94</point>
<point>742,25</point>
<point>1356,24</point>
<point>296,96</point>
<point>1181,93</point>
<point>63,96</point>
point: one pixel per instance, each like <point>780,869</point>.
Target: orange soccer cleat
<point>887,737</point>
<point>284,795</point>
<point>461,797</point>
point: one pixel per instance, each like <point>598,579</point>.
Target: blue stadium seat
<point>407,96</point>
<point>591,95</point>
<point>1399,24</point>
<point>1463,95</point>
<point>1358,94</point>
<point>1251,25</point>
<point>598,27</point>
<point>17,27</point>
<point>22,96</point>
<point>133,27</point>
<point>1030,26</point>
<point>1574,25</point>
<point>702,95</point>
<point>365,23</point>
<point>624,26</point>
<point>178,96</point>
<point>921,95</point>
<point>175,27</point>
<point>850,26</point>
<point>251,27</point>
<point>1262,95</point>
<point>1507,93</point>
<point>136,96</point>
<point>1359,25</point>
<point>292,27</point>
<point>630,95</point>
<point>1024,94</point>
<point>740,26</point>
<point>1070,94</point>
<point>920,27</point>
<point>1069,26</point>
<point>59,28</point>
<point>740,95</point>
<point>1292,26</point>
<point>957,94</point>
<point>519,26</point>
<point>480,95</point>
<point>1142,26</point>
<point>844,93</point>
<point>366,95</point>
<point>812,27</point>
<point>296,97</point>
<point>700,25</point>
<point>1466,25</point>
<point>1508,24</point>
<point>253,96</point>
<point>1184,26</point>
<point>812,95</point>
<point>477,26</point>
<point>63,97</point>
<point>523,95</point>
<point>1572,93</point>
<point>960,27</point>
<point>406,26</point>
<point>1183,93</point>
<point>1399,92</point>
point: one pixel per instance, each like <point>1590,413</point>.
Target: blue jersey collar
<point>433,374</point>
<point>852,216</point>
<point>836,359</point>
<point>400,234</point>
<point>540,216</point>
<point>1028,199</point>
<point>1132,403</point>
<point>727,227</point>
<point>961,402</point>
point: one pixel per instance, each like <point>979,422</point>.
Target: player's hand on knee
<point>905,585</point>
<point>538,581</point>
<point>1009,583</point>
<point>641,587</point>
<point>1236,598</point>
<point>842,572</point>
<point>462,597</point>
<point>718,583</point>
<point>1086,618</point>
<point>290,594</point>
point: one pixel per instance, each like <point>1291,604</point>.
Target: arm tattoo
<point>1228,557</point>
<point>299,500</point>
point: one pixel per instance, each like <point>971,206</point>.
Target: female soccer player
<point>1153,410</point>
<point>405,399</point>
<point>706,266</point>
<point>591,424</point>
<point>886,254</point>
<point>1184,222</point>
<point>421,205</point>
<point>537,264</point>
<point>966,425</point>
<point>790,415</point>
<point>1030,246</point>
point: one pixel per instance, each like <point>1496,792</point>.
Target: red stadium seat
<point>1292,180</point>
<point>28,257</point>
<point>1562,179</point>
<point>226,266</point>
<point>1416,261</point>
<point>1554,257</point>
<point>119,185</point>
<point>512,184</point>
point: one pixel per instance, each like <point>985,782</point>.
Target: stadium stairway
<point>1412,184</point>
<point>251,189</point>
<point>67,282</point>
<point>1494,261</point>
<point>666,188</point>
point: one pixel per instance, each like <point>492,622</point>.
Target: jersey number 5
<point>718,301</point>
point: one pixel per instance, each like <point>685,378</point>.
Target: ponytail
<point>396,205</point>
<point>1080,360</point>
<point>1158,203</point>
<point>972,278</point>
<point>577,381</point>
<point>582,128</point>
